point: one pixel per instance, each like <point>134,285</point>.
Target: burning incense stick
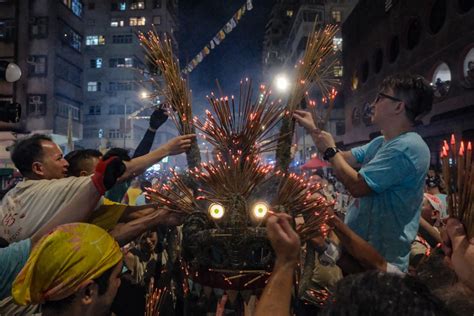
<point>458,173</point>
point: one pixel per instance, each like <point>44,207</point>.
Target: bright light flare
<point>282,83</point>
<point>216,210</point>
<point>260,209</point>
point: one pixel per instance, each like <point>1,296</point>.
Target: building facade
<point>45,38</point>
<point>433,38</point>
<point>115,84</point>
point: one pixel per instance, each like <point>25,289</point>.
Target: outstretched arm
<point>342,163</point>
<point>357,247</point>
<point>175,146</point>
<point>276,296</point>
<point>157,118</point>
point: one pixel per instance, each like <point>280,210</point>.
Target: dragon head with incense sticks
<point>224,237</point>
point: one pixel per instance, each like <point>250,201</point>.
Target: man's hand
<point>459,251</point>
<point>323,140</point>
<point>179,144</point>
<point>305,119</point>
<point>168,218</point>
<point>284,239</point>
<point>158,118</point>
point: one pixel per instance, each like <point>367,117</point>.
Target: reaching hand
<point>179,144</point>
<point>168,218</point>
<point>459,251</point>
<point>305,119</point>
<point>323,140</point>
<point>158,118</point>
<point>283,238</point>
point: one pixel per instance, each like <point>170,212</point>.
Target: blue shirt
<point>12,260</point>
<point>388,218</point>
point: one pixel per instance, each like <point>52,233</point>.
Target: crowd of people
<point>80,236</point>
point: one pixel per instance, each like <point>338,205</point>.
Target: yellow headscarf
<point>63,261</point>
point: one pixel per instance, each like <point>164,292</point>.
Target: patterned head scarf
<point>64,261</point>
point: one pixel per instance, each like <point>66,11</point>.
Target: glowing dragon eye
<point>216,210</point>
<point>260,210</point>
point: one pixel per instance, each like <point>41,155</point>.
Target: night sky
<point>238,56</point>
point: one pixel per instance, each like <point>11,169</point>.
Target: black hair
<point>414,90</point>
<point>145,184</point>
<point>76,159</point>
<point>119,152</point>
<point>377,293</point>
<point>64,304</point>
<point>28,150</point>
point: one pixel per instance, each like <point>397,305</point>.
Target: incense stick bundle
<point>155,300</point>
<point>175,196</point>
<point>304,199</point>
<point>159,51</point>
<point>243,127</point>
<point>237,177</point>
<point>316,66</point>
<point>458,173</point>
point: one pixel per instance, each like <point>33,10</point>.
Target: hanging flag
<point>238,15</point>
<point>199,57</point>
<point>219,37</point>
<point>228,28</point>
<point>233,23</point>
<point>216,39</point>
<point>249,5</point>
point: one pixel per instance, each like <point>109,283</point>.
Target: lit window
<point>137,21</point>
<point>117,23</point>
<point>337,43</point>
<point>336,16</point>
<point>121,62</point>
<point>137,5</point>
<point>93,40</point>
<point>75,6</point>
<point>96,63</point>
<point>93,86</point>
<point>338,71</point>
<point>441,80</point>
<point>289,13</point>
<point>122,6</point>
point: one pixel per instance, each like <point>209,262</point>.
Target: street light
<point>144,95</point>
<point>281,83</point>
<point>9,71</point>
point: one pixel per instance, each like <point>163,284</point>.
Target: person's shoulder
<point>410,142</point>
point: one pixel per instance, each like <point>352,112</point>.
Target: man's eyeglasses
<point>381,95</point>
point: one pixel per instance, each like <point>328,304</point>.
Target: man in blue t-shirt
<point>389,185</point>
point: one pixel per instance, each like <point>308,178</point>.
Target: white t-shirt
<point>32,203</point>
